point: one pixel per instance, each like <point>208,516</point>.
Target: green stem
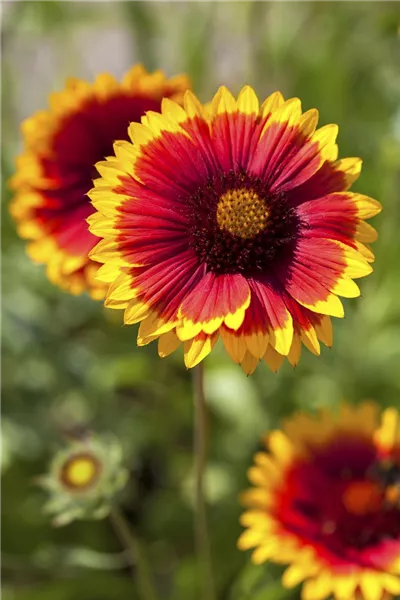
<point>141,573</point>
<point>201,526</point>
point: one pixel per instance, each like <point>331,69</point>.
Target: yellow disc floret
<point>80,471</point>
<point>242,212</point>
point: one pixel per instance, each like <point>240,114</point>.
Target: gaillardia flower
<point>231,220</point>
<point>83,480</point>
<point>55,171</point>
<point>324,504</point>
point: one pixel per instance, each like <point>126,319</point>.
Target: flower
<point>55,170</point>
<point>83,479</point>
<point>231,220</point>
<point>321,504</point>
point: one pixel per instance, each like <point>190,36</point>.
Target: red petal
<point>172,165</point>
<point>215,296</point>
<point>272,301</point>
<point>235,137</point>
<point>164,286</point>
<point>334,217</point>
<point>326,180</point>
<point>318,264</point>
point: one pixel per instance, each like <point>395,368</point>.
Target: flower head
<point>324,505</point>
<point>231,220</point>
<point>55,171</point>
<point>83,480</point>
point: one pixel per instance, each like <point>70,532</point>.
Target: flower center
<point>236,225</point>
<point>363,497</point>
<point>80,471</point>
<point>242,212</point>
<point>337,503</point>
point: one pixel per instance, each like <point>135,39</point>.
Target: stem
<point>141,572</point>
<point>201,525</point>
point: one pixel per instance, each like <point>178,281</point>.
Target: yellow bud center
<point>242,212</point>
<point>80,471</point>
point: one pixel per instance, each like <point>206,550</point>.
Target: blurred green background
<point>69,364</point>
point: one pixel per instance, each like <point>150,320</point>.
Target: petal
<point>288,113</point>
<point>388,434</point>
<point>234,343</point>
<point>365,233</point>
<point>258,476</point>
<point>173,110</point>
<point>168,343</point>
<point>249,363</point>
<point>159,164</point>
<point>391,583</point>
<point>271,103</point>
<point>308,122</point>
<point>280,447</point>
<point>108,272</point>
<point>250,539</point>
<point>152,327</point>
<point>216,299</point>
<point>193,107</point>
<point>266,550</point>
<point>256,498</point>
<point>257,343</point>
<point>351,168</point>
<point>273,359</point>
<point>269,465</point>
<point>247,101</point>
<point>331,177</point>
<point>304,156</point>
<point>295,574</point>
<point>277,316</point>
<point>121,289</point>
<point>223,102</point>
<point>310,340</point>
<point>288,153</point>
<point>295,351</point>
<point>258,518</point>
<point>198,348</point>
<point>324,330</point>
<point>345,586</point>
<point>135,311</point>
<point>318,588</point>
<point>326,138</point>
<point>165,286</point>
<point>252,335</point>
<point>370,586</point>
<point>339,216</point>
<point>309,326</point>
<point>316,274</point>
<point>277,138</point>
<point>234,137</point>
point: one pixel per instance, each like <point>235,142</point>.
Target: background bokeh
<point>69,364</point>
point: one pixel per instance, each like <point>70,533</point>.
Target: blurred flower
<point>388,467</point>
<point>233,220</point>
<point>83,480</point>
<point>321,505</point>
<point>55,171</point>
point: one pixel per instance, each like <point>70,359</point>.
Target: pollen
<point>242,213</point>
<point>80,471</point>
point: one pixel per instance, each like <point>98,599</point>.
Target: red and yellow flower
<point>233,220</point>
<point>56,170</point>
<point>323,503</point>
